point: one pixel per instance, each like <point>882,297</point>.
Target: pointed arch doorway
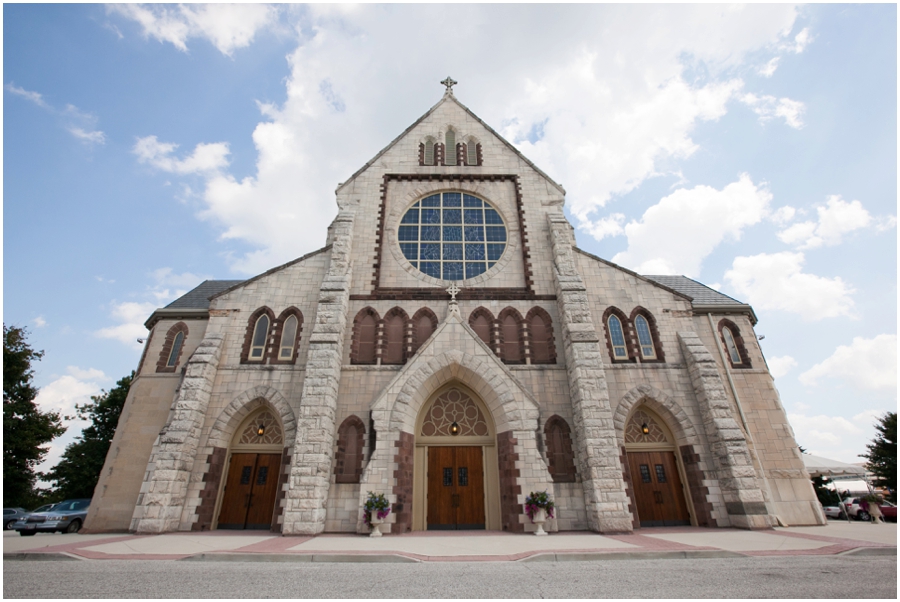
<point>250,490</point>
<point>456,477</point>
<point>660,498</point>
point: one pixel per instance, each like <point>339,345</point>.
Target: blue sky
<point>754,148</point>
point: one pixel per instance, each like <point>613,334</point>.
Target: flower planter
<point>376,526</point>
<point>540,517</point>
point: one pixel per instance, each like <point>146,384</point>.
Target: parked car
<point>65,517</point>
<point>888,511</point>
<point>833,511</point>
<point>11,515</point>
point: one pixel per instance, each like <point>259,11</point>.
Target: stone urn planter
<point>375,510</point>
<point>540,517</point>
<point>376,526</point>
<point>539,507</point>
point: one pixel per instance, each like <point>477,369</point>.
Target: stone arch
<point>512,339</point>
<point>394,345</point>
<point>674,415</point>
<point>245,403</point>
<point>418,334</point>
<point>512,407</point>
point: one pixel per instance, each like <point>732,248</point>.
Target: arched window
<point>734,344</point>
<point>172,347</point>
<point>394,337</point>
<point>428,154</point>
<point>260,334</point>
<point>644,338</point>
<point>349,455</point>
<point>287,333</point>
<point>424,325</point>
<point>365,331</point>
<point>541,344</point>
<point>617,337</point>
<point>513,350</point>
<point>558,438</point>
<point>471,152</point>
<point>450,147</point>
<point>176,350</point>
<point>482,322</point>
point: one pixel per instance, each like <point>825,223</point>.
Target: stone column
<point>161,501</point>
<point>597,451</point>
<point>732,464</point>
<point>304,512</point>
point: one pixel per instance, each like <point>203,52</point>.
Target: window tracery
<point>454,406</point>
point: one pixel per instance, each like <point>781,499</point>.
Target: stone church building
<point>452,348</point>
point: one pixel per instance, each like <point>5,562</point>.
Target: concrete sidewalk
<point>663,542</point>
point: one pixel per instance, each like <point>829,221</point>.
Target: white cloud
<point>40,322</point>
<point>610,225</point>
<point>768,70</point>
<point>780,366</point>
<point>768,107</point>
<point>833,437</point>
<point>205,158</point>
<point>227,26</point>
<point>802,40</point>
<point>601,86</point>
<point>782,215</point>
<point>95,137</point>
<point>34,97</point>
<point>776,281</point>
<point>866,363</point>
<point>676,234</point>
<point>836,218</point>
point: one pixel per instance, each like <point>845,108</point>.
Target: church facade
<point>452,348</point>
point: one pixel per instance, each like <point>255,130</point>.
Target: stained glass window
<point>452,236</point>
<point>618,338</point>
<point>644,338</point>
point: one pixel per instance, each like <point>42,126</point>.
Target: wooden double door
<point>455,488</point>
<point>250,491</point>
<point>658,491</point>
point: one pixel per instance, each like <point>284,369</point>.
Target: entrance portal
<point>659,497</point>
<point>455,488</point>
<point>250,491</point>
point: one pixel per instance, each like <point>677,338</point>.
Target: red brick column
<point>510,508</point>
<point>402,508</point>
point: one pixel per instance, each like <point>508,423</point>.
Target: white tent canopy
<point>817,466</point>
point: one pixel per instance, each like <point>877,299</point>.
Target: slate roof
<point>700,293</point>
<point>198,298</point>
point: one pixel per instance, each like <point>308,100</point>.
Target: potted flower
<point>376,508</point>
<point>539,507</point>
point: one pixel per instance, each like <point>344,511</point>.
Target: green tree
<point>78,471</point>
<point>882,454</point>
<point>26,429</point>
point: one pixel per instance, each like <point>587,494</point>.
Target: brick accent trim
<point>421,154</point>
<point>478,152</point>
<point>212,478</point>
<point>403,477</point>
<point>629,488</point>
<point>626,332</point>
<point>285,471</point>
<point>540,313</point>
<point>423,312</point>
<point>395,311</point>
<point>248,337</point>
<point>161,366</point>
<point>406,294</point>
<point>654,335</point>
<point>501,341</point>
<point>562,461</point>
<point>510,508</point>
<point>738,342</point>
<point>699,492</point>
<point>439,153</point>
<point>354,338</point>
<point>349,469</point>
<point>277,333</point>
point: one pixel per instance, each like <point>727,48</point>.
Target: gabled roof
<point>697,291</point>
<point>449,97</point>
<point>198,298</point>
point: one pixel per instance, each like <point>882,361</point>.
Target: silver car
<point>65,517</point>
<point>11,515</point>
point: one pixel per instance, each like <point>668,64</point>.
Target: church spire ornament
<point>449,83</point>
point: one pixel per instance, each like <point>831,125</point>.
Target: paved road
<point>762,577</point>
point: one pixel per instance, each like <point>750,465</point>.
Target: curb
<point>38,556</point>
<point>870,552</point>
<point>380,558</point>
<point>582,556</point>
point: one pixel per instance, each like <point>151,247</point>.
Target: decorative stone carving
<point>454,406</point>
<point>634,432</point>
<point>271,431</point>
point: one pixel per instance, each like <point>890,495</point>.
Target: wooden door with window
<point>250,491</point>
<point>455,488</point>
<point>658,492</point>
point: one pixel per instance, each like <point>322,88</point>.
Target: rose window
<point>452,236</point>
